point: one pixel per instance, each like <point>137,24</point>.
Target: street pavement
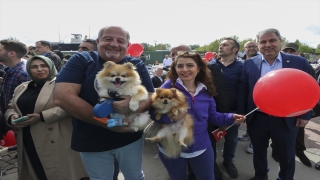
<point>154,170</point>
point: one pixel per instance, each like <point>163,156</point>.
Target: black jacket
<point>156,81</point>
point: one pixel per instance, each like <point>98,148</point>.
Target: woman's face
<point>39,69</point>
<point>187,69</point>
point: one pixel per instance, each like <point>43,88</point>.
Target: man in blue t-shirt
<point>76,93</point>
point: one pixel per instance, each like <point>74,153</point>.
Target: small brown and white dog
<point>179,134</point>
<point>122,79</point>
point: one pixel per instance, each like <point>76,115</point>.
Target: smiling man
<point>261,126</point>
<point>76,93</point>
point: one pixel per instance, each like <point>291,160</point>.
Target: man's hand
<point>123,105</point>
<point>301,122</point>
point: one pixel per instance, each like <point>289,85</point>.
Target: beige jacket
<point>52,139</point>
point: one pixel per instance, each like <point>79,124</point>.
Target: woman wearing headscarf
<point>44,139</point>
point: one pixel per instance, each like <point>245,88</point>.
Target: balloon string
<point>244,116</point>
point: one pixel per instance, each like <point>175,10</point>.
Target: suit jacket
<point>156,81</point>
<point>251,72</point>
<point>52,138</point>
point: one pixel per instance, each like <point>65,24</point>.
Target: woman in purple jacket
<point>189,74</point>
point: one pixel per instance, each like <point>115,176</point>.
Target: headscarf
<point>52,69</point>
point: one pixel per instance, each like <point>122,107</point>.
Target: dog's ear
<point>108,64</point>
<point>158,90</point>
<point>129,65</point>
<point>173,90</point>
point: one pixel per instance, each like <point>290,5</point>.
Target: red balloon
<point>286,92</point>
<point>9,139</point>
<point>208,56</point>
<point>135,49</point>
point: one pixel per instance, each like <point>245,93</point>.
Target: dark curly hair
<point>204,75</point>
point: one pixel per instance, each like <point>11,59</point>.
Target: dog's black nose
<point>118,79</point>
<point>165,102</point>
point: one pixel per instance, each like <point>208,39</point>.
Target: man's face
<point>226,49</point>
<point>269,45</point>
<point>251,48</point>
<point>41,49</point>
<point>159,72</point>
<point>3,54</point>
<point>113,44</point>
<point>166,56</point>
<point>290,51</point>
<point>85,46</point>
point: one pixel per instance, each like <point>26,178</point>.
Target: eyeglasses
<point>248,47</point>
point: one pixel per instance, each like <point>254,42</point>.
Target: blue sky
<point>167,21</point>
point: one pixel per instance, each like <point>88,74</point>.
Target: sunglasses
<point>186,53</point>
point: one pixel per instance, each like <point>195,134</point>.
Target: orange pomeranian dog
<point>122,79</point>
<point>179,134</point>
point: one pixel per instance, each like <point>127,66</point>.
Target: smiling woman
<point>43,139</point>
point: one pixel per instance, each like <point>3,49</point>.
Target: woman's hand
<point>33,118</point>
<point>238,118</point>
<point>177,117</point>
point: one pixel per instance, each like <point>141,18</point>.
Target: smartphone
<point>21,119</point>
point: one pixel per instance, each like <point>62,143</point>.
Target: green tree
<point>163,46</point>
<point>318,49</point>
<point>148,47</point>
<point>194,46</point>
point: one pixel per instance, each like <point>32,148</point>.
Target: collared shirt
<point>13,77</point>
<point>265,66</point>
<point>167,62</point>
<point>45,54</point>
<point>231,74</point>
<point>159,77</point>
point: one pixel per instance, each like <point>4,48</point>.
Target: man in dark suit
<point>221,102</point>
<point>293,48</point>
<point>158,79</point>
<point>262,126</point>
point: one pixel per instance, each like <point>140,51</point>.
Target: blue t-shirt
<point>82,69</point>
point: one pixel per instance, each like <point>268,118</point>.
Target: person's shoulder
<point>85,56</point>
<point>133,60</point>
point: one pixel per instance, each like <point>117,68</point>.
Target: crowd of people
<point>61,139</point>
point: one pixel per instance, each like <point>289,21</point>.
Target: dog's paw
<point>154,139</point>
<point>134,128</point>
<point>175,113</point>
<point>134,105</point>
<point>158,116</point>
<point>182,143</point>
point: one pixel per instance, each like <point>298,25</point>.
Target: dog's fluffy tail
<point>171,147</point>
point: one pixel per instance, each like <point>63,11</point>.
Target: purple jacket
<point>203,110</point>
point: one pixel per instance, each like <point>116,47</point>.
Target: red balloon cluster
<point>286,92</point>
<point>208,56</point>
<point>8,140</point>
<point>135,49</point>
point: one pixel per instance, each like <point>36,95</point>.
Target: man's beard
<point>112,55</point>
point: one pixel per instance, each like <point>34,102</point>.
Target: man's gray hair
<point>106,27</point>
<point>268,31</point>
